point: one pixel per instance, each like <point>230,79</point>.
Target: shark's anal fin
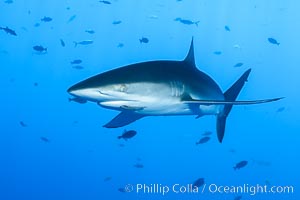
<point>124,118</point>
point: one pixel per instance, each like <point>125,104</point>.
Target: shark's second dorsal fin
<point>190,58</point>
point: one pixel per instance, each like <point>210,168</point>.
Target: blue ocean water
<point>51,148</point>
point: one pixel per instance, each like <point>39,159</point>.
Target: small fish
<point>238,197</point>
<point>84,42</point>
<point>232,150</point>
<point>153,16</point>
<point>138,159</point>
<point>44,139</point>
<point>37,24</point>
<point>238,64</point>
<point>46,19</point>
<point>71,18</point>
<point>273,41</point>
<point>120,45</point>
<point>8,31</point>
<point>90,31</point>
<point>140,166</point>
<point>280,109</point>
<point>105,2</point>
<point>78,100</point>
<point>62,43</point>
<point>203,140</point>
<point>206,133</point>
<point>218,52</point>
<point>199,182</point>
<point>107,178</point>
<point>76,61</point>
<point>8,1</point>
<point>186,21</point>
<point>23,124</point>
<point>78,67</point>
<point>121,145</point>
<point>122,190</point>
<point>144,40</point>
<point>116,22</point>
<point>227,28</point>
<point>36,84</point>
<point>236,46</point>
<point>40,48</point>
<point>267,182</point>
<point>240,165</point>
<point>127,134</point>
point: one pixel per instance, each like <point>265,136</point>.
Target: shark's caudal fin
<point>230,95</point>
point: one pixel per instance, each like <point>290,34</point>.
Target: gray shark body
<point>161,88</point>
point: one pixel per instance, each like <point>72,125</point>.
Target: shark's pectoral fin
<point>124,118</point>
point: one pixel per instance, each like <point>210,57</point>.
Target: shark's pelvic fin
<point>124,118</point>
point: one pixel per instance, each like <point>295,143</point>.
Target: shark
<point>162,88</point>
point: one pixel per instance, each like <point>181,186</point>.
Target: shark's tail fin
<point>230,95</point>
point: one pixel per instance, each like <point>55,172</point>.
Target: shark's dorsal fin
<point>190,58</point>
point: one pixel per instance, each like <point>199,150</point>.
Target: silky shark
<point>162,88</point>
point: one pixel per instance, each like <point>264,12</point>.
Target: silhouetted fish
<point>39,48</point>
<point>76,61</point>
<point>240,165</point>
<point>238,197</point>
<point>144,40</point>
<point>117,22</point>
<point>227,28</point>
<point>78,100</point>
<point>90,31</point>
<point>199,182</point>
<point>273,41</point>
<point>105,2</point>
<point>8,1</point>
<point>35,84</point>
<point>238,64</point>
<point>46,19</point>
<point>23,124</point>
<point>140,166</point>
<point>84,42</point>
<point>78,67</point>
<point>186,21</point>
<point>8,31</point>
<point>218,52</point>
<point>127,134</point>
<point>44,139</point>
<point>203,140</point>
<point>280,109</point>
<point>71,18</point>
<point>62,43</point>
<point>120,45</point>
<point>107,178</point>
<point>122,190</point>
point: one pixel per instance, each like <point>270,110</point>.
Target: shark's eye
<point>122,88</point>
